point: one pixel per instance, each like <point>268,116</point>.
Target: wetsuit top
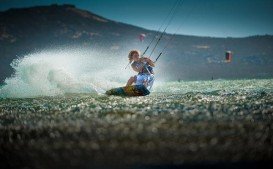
<point>144,70</point>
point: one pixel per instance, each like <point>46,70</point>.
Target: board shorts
<point>145,79</point>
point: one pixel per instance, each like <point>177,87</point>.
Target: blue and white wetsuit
<point>146,76</point>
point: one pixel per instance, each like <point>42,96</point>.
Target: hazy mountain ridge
<point>187,57</point>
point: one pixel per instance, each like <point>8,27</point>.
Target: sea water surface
<point>50,111</point>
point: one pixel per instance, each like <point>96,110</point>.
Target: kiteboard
<point>134,90</point>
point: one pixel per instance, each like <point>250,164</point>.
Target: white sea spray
<point>59,71</point>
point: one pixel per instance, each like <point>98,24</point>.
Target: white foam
<point>60,71</point>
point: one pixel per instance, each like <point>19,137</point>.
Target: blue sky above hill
<point>217,18</point>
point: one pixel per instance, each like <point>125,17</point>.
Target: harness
<point>147,70</point>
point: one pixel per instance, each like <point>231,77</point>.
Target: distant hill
<point>186,58</point>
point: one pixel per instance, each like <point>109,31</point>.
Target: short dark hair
<point>131,53</point>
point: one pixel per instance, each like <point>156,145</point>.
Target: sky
<point>214,18</point>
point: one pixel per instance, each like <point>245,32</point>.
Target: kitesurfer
<point>144,67</point>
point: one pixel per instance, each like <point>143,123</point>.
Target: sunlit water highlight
<point>62,71</point>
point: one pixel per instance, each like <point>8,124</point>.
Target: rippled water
<point>196,121</point>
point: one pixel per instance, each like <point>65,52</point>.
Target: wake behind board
<point>134,90</point>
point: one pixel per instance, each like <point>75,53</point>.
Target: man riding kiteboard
<point>144,67</point>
